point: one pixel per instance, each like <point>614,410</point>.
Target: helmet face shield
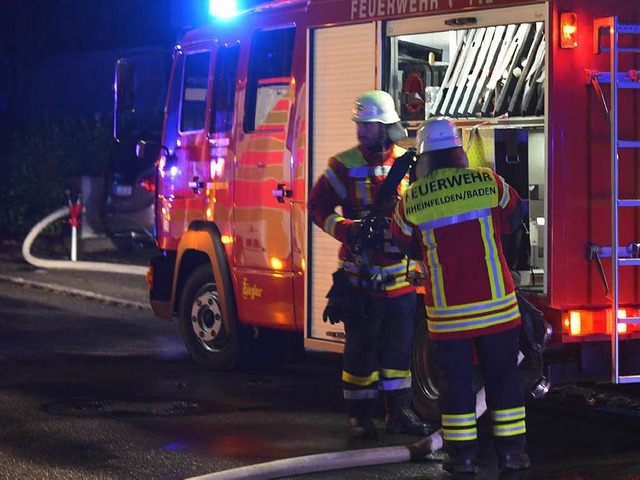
<point>437,133</point>
<point>375,106</point>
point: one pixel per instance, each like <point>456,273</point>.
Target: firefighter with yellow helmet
<point>370,294</point>
<point>452,217</point>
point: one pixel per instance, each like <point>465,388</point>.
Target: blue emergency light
<point>223,8</point>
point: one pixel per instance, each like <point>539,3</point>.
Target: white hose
<point>323,462</point>
<point>68,264</point>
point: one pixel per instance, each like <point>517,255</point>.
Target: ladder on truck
<point>628,256</point>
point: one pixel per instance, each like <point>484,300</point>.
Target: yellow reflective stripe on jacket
<point>433,262</point>
<point>492,258</point>
<point>330,223</point>
<point>363,191</point>
<point>505,194</point>
<point>454,219</point>
<point>398,151</point>
<point>369,171</point>
<point>389,244</point>
<point>362,173</point>
<point>476,308</point>
<point>352,158</point>
<point>473,323</point>
<point>396,273</point>
<point>335,182</point>
<point>405,228</point>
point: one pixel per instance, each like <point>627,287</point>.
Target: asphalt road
<point>92,386</point>
<point>95,390</point>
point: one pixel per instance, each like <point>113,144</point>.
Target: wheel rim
<point>206,319</point>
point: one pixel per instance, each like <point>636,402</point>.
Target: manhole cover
<point>146,407</point>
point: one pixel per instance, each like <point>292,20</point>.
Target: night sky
<point>39,39</point>
<point>49,27</point>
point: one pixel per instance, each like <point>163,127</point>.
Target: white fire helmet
<point>437,133</point>
<point>375,106</point>
<point>378,106</point>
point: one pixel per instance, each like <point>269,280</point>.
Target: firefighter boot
<point>361,418</point>
<point>511,456</point>
<point>462,466</point>
<point>461,460</point>
<point>401,419</point>
<point>511,463</point>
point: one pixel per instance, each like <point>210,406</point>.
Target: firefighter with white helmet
<point>438,133</point>
<point>378,106</point>
<point>451,218</point>
<point>370,294</point>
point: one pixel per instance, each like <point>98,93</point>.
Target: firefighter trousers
<point>497,357</point>
<point>379,336</point>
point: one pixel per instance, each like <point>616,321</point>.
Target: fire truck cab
<point>258,103</point>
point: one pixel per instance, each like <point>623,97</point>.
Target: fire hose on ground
<point>323,462</point>
<point>73,211</point>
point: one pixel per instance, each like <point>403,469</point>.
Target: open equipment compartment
<point>488,73</point>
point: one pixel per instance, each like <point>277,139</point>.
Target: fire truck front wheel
<point>212,340</point>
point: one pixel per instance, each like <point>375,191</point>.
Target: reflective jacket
<point>453,218</point>
<point>352,181</point>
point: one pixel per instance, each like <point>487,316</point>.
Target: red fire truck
<point>545,92</point>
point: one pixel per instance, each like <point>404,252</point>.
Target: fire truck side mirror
<point>150,150</point>
<point>124,89</point>
<point>125,86</point>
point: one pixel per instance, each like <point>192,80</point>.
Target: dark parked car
<point>128,209</point>
<point>128,204</point>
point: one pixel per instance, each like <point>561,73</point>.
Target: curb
<point>76,292</point>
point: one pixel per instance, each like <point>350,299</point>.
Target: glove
<point>333,311</point>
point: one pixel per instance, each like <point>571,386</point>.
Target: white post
<point>74,243</point>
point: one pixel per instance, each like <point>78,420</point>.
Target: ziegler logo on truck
<point>361,9</point>
<point>250,291</point>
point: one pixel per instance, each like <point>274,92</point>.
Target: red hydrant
<point>75,210</point>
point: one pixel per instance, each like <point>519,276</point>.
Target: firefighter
<point>370,294</point>
<point>451,217</point>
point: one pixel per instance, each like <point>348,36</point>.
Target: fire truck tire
<point>426,397</point>
<point>202,326</point>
